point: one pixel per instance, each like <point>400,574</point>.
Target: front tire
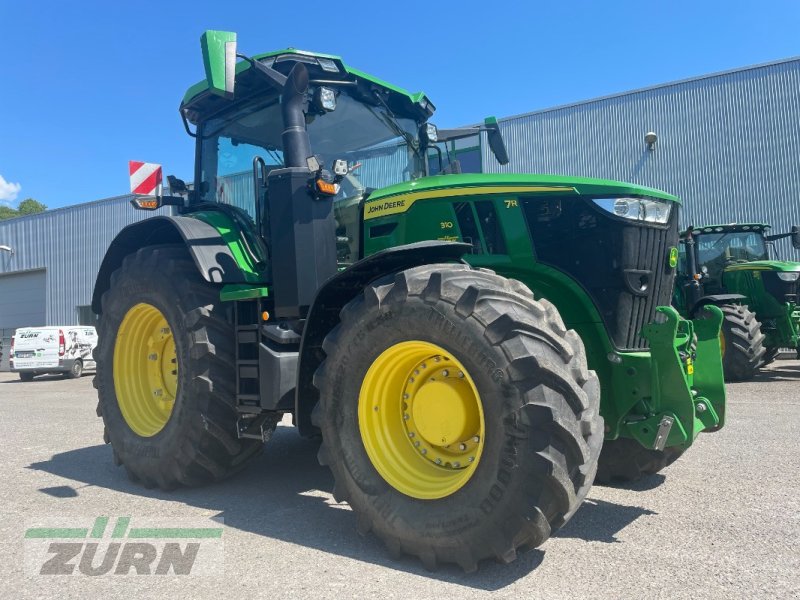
<point>165,373</point>
<point>625,460</point>
<point>742,342</point>
<point>497,378</point>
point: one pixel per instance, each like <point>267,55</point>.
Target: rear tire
<point>743,342</point>
<point>198,442</point>
<point>76,370</point>
<point>540,408</point>
<point>770,355</point>
<point>27,376</point>
<point>625,460</point>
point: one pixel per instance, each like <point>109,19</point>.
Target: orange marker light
<point>329,189</point>
<point>146,204</point>
<point>265,316</point>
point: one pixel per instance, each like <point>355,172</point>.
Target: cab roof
<point>199,102</point>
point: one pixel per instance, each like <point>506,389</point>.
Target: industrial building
<point>726,143</point>
<point>48,272</point>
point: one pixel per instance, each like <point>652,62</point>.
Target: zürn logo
<point>122,549</point>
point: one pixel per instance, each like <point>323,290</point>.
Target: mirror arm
<point>186,124</point>
<point>777,236</point>
<point>333,82</point>
<point>275,78</point>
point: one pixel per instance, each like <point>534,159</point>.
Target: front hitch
<point>687,385</point>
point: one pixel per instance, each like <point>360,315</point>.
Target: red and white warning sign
<point>145,178</point>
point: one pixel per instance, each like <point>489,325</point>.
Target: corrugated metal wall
<point>728,144</point>
<point>70,244</point>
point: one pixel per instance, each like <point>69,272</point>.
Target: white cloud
<point>8,191</point>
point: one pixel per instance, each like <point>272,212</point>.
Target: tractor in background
<point>730,266</point>
<point>472,349</point>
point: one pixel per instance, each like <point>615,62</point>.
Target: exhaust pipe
<point>296,146</point>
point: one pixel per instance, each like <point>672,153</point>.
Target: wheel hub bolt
<point>424,451</point>
<point>461,374</point>
<point>701,407</point>
<point>445,373</point>
<point>410,380</point>
<point>476,439</point>
<point>411,434</point>
<point>471,459</point>
<point>416,444</point>
<point>462,447</point>
<point>406,396</point>
<point>438,461</point>
<point>456,464</point>
<point>406,417</point>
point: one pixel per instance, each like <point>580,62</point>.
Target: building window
<point>86,316</point>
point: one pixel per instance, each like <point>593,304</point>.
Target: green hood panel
<point>399,197</point>
<point>764,265</point>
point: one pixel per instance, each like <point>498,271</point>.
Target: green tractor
<point>471,349</point>
<point>729,266</point>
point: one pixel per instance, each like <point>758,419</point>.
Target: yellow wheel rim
<point>145,370</point>
<point>421,420</point>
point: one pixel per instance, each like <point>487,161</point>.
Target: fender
<point>716,299</point>
<point>212,247</point>
<point>323,315</point>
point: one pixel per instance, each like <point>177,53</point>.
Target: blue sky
<point>86,86</point>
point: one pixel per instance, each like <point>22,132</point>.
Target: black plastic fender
<point>211,254</point>
<point>323,315</point>
<point>716,299</point>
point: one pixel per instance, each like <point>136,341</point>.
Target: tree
<point>6,212</point>
<point>29,206</point>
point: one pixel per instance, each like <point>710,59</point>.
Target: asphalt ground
<point>722,522</point>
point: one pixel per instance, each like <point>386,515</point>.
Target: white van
<point>40,350</point>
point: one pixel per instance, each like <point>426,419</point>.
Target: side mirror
<point>796,237</point>
<point>147,187</point>
<point>219,60</point>
<point>495,138</point>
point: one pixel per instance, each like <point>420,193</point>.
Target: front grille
<point>653,250</point>
<point>623,266</point>
<point>782,291</point>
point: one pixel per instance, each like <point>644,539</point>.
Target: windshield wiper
<point>391,120</point>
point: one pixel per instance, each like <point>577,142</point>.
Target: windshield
<point>372,141</point>
<point>715,250</point>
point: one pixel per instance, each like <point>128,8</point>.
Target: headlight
<point>647,210</point>
<point>789,276</point>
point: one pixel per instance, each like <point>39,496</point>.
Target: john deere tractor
<point>729,266</point>
<point>469,347</point>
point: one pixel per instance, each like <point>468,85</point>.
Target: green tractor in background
<point>472,349</point>
<point>729,266</point>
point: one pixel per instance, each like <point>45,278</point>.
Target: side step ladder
<point>253,423</point>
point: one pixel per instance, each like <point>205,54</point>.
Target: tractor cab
<point>364,134</point>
